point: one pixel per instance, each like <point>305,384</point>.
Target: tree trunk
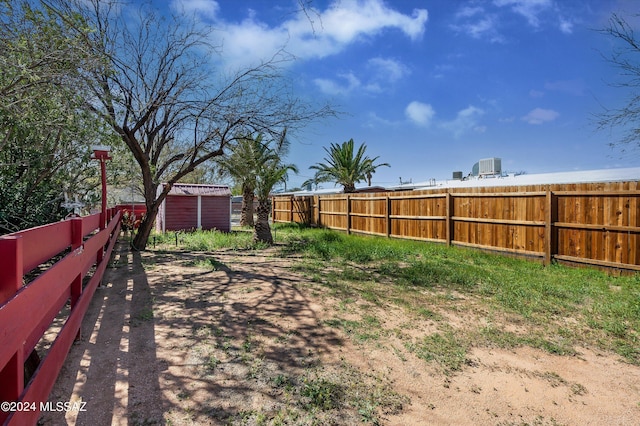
<point>246,212</point>
<point>349,187</point>
<point>152,202</point>
<point>262,230</point>
<point>141,239</point>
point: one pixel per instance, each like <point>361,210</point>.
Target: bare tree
<point>160,91</point>
<point>625,56</point>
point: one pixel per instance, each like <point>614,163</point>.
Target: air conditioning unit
<point>490,166</point>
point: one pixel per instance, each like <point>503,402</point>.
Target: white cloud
<point>208,8</point>
<point>383,72</point>
<point>540,116</point>
<point>565,26</point>
<point>331,87</point>
<point>536,93</point>
<point>308,34</point>
<point>466,121</point>
<point>374,121</point>
<point>468,11</point>
<point>347,20</point>
<point>477,23</point>
<point>530,9</point>
<point>485,22</point>
<point>420,113</point>
<point>387,69</point>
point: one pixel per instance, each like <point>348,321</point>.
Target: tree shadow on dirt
<point>247,336</point>
<point>168,341</point>
<point>113,367</point>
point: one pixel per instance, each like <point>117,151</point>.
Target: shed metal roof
<point>199,189</point>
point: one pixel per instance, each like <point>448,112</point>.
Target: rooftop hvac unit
<point>490,166</point>
<point>457,175</point>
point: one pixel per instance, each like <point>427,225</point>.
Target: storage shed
<point>191,206</point>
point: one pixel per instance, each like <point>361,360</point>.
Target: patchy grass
<point>206,240</point>
<point>209,263</point>
<point>553,308</point>
<point>427,305</point>
<point>430,279</point>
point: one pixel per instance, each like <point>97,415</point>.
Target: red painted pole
<point>103,211</point>
<point>101,153</point>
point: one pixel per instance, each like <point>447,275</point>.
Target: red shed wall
<point>216,213</point>
<point>181,212</point>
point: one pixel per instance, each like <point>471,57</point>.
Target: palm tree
<point>270,172</point>
<point>257,166</point>
<point>241,164</point>
<point>344,167</point>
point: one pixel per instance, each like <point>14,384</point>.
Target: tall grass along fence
<point>588,223</point>
<point>45,276</point>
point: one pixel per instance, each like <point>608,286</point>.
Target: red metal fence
<point>27,310</point>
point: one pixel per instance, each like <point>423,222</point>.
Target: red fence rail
<point>28,310</point>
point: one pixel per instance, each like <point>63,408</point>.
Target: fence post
<point>550,232</point>
<point>388,216</point>
<point>291,209</point>
<point>12,262</point>
<point>348,215</point>
<point>273,210</point>
<point>449,221</point>
<point>76,284</point>
<point>317,203</point>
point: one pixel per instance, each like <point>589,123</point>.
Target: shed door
<point>181,212</point>
<point>216,213</point>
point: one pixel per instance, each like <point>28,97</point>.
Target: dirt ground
<point>238,338</point>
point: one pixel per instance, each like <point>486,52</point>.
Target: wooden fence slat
<point>498,194</point>
<point>500,249</point>
<point>598,223</point>
<point>407,217</point>
<point>409,197</point>
<point>604,263</point>
<point>596,193</point>
<point>499,221</point>
<point>596,227</point>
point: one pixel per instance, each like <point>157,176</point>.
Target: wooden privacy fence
<point>587,223</point>
<point>28,310</point>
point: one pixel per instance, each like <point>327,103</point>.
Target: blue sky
<point>434,86</point>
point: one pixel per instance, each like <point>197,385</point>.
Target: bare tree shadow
<point>165,338</point>
<point>248,333</point>
<point>113,367</point>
